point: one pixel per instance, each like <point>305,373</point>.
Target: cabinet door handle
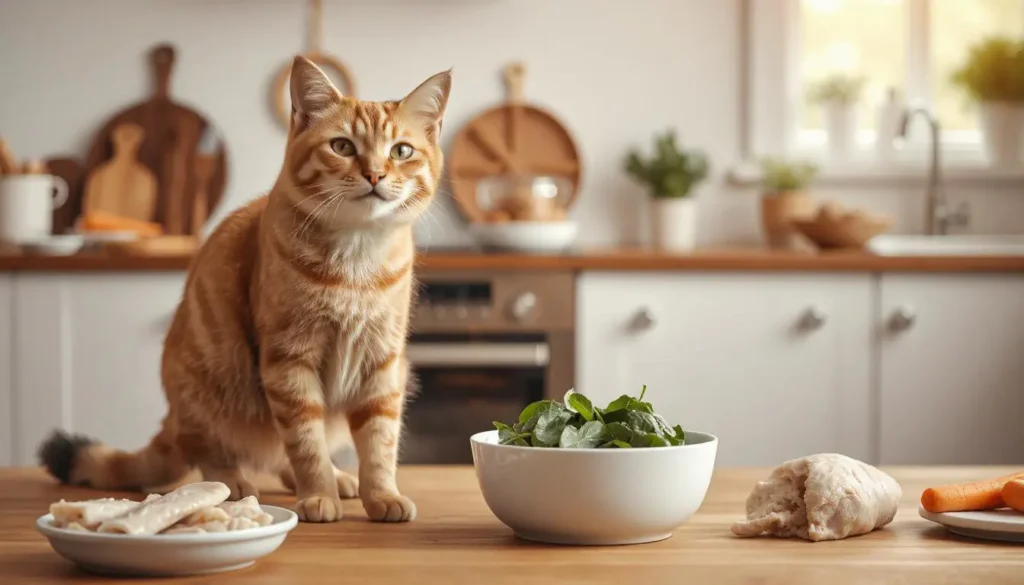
<point>903,318</point>
<point>644,320</point>
<point>814,318</point>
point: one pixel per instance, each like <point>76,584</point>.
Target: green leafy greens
<point>575,423</point>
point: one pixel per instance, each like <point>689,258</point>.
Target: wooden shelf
<point>618,259</point>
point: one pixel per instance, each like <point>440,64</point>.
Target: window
<point>910,46</point>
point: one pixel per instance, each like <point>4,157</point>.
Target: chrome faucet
<point>938,214</point>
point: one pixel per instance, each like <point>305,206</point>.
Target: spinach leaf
<point>627,422</point>
<point>510,436</point>
<point>649,440</point>
<point>678,435</point>
<point>580,404</point>
<point>550,423</point>
<point>617,443</point>
<point>586,437</point>
<point>529,414</point>
<point>619,403</point>
<point>618,431</point>
<point>639,420</point>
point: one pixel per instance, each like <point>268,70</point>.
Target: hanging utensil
<point>331,65</point>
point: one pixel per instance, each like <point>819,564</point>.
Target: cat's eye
<point>401,151</point>
<point>343,147</point>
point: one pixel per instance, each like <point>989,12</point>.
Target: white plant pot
<point>1002,130</point>
<point>840,120</point>
<point>674,224</point>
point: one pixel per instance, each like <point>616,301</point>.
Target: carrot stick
<point>1013,494</point>
<point>984,494</point>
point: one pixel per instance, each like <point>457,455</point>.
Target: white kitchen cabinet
<point>6,412</point>
<point>951,369</point>
<point>738,355</point>
<point>86,353</point>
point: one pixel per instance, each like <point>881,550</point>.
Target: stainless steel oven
<point>484,345</point>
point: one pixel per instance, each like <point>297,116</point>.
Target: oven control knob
<point>523,306</point>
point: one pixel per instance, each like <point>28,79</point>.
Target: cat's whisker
<point>310,219</point>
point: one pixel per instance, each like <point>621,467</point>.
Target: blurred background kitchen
<point>799,222</point>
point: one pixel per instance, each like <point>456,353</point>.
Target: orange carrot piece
<point>1013,494</point>
<point>986,494</point>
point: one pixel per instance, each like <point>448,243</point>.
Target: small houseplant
<point>785,199</point>
<point>671,175</point>
<point>839,96</point>
<point>993,77</point>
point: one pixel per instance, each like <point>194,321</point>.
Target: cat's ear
<point>313,94</point>
<point>426,104</point>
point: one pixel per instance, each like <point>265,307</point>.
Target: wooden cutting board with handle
<point>123,186</point>
<point>513,139</point>
<point>171,133</point>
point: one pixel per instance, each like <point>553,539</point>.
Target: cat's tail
<point>79,460</point>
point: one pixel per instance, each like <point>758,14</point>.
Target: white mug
<point>26,206</point>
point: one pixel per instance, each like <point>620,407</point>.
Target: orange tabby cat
<point>290,338</point>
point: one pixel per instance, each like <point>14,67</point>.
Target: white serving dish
<point>947,245</point>
<point>62,245</point>
<point>171,554</point>
<point>1005,525</point>
<point>594,496</point>
<point>526,236</point>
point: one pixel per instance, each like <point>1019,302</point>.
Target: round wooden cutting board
<point>514,139</point>
<point>172,135</point>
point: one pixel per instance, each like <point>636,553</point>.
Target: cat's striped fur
<point>290,337</point>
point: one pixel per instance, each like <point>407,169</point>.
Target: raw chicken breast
<point>156,515</point>
<point>821,497</point>
<point>89,514</point>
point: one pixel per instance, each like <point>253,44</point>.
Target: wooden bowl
<point>834,228</point>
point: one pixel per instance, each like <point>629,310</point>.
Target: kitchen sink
<point>968,245</point>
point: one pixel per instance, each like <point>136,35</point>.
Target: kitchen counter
<point>457,540</point>
<point>620,259</point>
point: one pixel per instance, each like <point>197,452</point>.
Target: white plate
<point>62,245</point>
<point>1006,525</point>
<point>171,554</point>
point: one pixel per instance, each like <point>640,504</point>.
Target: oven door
<point>465,383</point>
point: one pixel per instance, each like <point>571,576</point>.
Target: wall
<point>614,72</point>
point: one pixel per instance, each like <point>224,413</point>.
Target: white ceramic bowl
<point>526,236</point>
<point>594,496</point>
<point>171,554</point>
<point>60,245</point>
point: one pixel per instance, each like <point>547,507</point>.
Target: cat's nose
<point>373,177</point>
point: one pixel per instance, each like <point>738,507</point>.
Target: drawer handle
<point>814,318</point>
<point>644,320</point>
<point>902,319</point>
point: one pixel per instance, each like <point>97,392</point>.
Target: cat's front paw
<point>319,509</point>
<point>389,508</point>
<point>348,486</point>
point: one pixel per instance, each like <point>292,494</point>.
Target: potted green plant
<point>993,76</point>
<point>671,175</point>
<point>785,199</point>
<point>839,96</point>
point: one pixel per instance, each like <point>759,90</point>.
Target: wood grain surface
<point>709,260</point>
<point>457,540</point>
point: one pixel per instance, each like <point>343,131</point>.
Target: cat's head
<point>356,163</point>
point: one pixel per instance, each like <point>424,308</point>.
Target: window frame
<point>774,94</point>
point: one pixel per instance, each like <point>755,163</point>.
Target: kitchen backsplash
<point>614,74</point>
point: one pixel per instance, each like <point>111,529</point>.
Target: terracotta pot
<point>778,211</point>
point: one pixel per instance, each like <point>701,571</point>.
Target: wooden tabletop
<point>619,259</point>
<point>456,540</point>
